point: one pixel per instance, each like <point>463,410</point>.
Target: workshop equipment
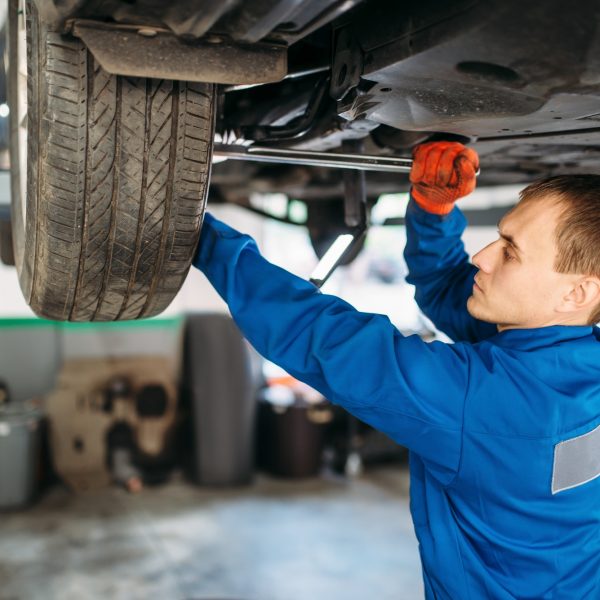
<point>20,443</point>
<point>292,429</point>
<point>94,400</point>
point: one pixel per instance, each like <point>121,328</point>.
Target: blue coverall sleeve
<point>411,390</point>
<point>439,268</point>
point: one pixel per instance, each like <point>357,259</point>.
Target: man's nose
<point>483,260</point>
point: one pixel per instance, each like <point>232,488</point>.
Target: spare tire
<point>115,171</point>
<point>220,388</point>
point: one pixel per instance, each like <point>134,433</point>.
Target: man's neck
<point>577,321</point>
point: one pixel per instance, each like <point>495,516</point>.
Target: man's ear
<point>585,294</point>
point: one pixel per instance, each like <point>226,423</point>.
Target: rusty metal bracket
<point>347,65</point>
<point>157,53</point>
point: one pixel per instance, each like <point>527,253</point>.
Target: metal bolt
<point>147,32</point>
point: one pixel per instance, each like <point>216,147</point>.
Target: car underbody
<point>518,81</point>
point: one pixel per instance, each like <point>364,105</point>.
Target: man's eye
<point>507,254</point>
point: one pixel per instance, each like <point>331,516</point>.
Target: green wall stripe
<point>32,322</point>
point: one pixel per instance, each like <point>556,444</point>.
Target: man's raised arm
<point>411,390</point>
<point>438,265</point>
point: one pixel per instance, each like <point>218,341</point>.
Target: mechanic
<point>503,426</point>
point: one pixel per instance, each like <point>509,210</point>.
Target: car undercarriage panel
<point>241,20</point>
<point>518,80</point>
<point>531,67</point>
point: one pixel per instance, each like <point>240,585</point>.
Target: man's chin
<point>477,312</point>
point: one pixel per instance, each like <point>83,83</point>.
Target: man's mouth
<point>476,286</point>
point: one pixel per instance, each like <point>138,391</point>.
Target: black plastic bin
<point>291,435</point>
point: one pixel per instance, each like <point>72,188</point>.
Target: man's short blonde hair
<point>577,233</point>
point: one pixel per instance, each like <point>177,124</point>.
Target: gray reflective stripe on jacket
<point>576,461</point>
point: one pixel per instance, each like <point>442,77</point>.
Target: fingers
<point>426,159</point>
<point>467,187</point>
<point>466,175</point>
<point>416,171</point>
<point>434,163</point>
<point>441,173</point>
<point>465,169</point>
<point>447,164</point>
<point>419,161</point>
<point>472,157</point>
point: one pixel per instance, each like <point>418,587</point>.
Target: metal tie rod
<point>365,162</point>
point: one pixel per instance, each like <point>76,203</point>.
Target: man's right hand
<point>442,172</point>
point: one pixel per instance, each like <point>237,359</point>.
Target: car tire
<point>117,177</point>
<point>219,389</point>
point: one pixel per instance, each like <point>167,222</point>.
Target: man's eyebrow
<point>508,238</point>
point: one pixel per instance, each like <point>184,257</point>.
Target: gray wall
<point>32,350</point>
<point>29,358</point>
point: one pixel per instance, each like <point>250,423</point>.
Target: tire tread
<point>122,176</point>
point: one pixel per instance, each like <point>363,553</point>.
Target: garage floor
<point>310,540</point>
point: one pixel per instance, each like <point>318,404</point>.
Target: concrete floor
<point>276,540</point>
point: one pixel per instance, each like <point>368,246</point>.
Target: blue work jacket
<point>503,428</point>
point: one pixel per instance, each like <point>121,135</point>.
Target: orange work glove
<point>442,172</point>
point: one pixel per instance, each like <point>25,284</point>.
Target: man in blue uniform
<point>503,426</point>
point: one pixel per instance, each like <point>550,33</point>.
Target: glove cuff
<point>431,206</point>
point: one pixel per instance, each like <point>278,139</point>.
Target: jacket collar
<point>542,337</point>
